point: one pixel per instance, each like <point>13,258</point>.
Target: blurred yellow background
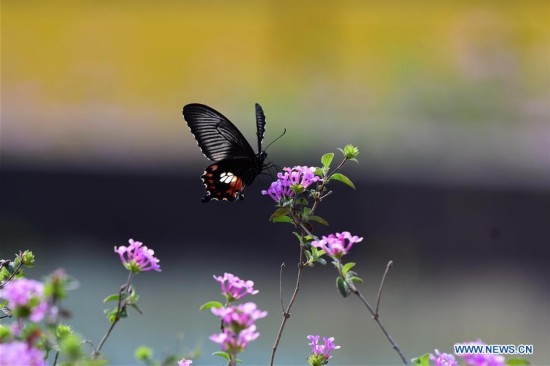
<point>448,101</point>
<point>456,90</point>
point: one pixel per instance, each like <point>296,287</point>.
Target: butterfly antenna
<point>275,139</point>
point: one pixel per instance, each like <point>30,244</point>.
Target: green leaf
<point>517,362</point>
<point>322,261</point>
<point>278,213</point>
<point>222,355</point>
<point>319,172</point>
<point>423,360</point>
<point>327,159</point>
<point>319,219</point>
<point>343,287</point>
<point>307,211</point>
<point>300,239</point>
<point>113,297</point>
<point>356,279</point>
<point>283,219</point>
<point>302,201</point>
<point>347,267</point>
<point>211,304</point>
<point>342,178</point>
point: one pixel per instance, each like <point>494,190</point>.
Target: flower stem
<point>286,312</point>
<point>120,307</point>
<point>379,322</point>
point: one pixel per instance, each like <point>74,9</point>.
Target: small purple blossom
<point>481,359</point>
<point>20,354</point>
<point>26,297</point>
<point>297,176</point>
<point>321,353</point>
<point>232,342</point>
<point>137,257</point>
<point>184,362</point>
<point>337,245</point>
<point>233,288</point>
<point>239,317</point>
<point>443,359</point>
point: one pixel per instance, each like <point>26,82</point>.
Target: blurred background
<point>447,101</point>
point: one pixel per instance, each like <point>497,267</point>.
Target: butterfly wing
<point>217,137</point>
<point>227,179</point>
<point>260,125</point>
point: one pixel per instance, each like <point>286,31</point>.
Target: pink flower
<point>20,354</point>
<point>443,359</point>
<point>298,176</point>
<point>26,297</point>
<point>322,349</point>
<point>337,245</point>
<point>481,359</point>
<point>234,343</point>
<point>137,257</point>
<point>239,317</point>
<point>184,362</point>
<point>233,288</point>
<point>238,326</point>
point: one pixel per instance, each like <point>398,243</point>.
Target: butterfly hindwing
<point>217,137</point>
<point>227,179</point>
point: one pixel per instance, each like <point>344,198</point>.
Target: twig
<point>120,307</point>
<point>281,286</point>
<point>286,313</point>
<point>388,266</point>
<point>377,320</point>
<point>55,359</point>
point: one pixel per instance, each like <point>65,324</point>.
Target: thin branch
<point>388,266</point>
<point>55,359</point>
<point>286,312</point>
<point>379,322</point>
<point>120,307</point>
<point>281,286</point>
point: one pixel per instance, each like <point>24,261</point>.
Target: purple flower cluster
<point>443,359</point>
<point>238,326</point>
<point>321,353</point>
<point>26,298</point>
<point>233,288</point>
<point>20,354</point>
<point>238,321</point>
<point>298,176</point>
<point>184,362</point>
<point>137,257</point>
<point>480,359</point>
<point>337,245</point>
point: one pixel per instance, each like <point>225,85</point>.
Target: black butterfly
<point>236,165</point>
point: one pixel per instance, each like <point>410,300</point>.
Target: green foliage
<point>423,360</point>
<point>223,355</point>
<point>517,362</point>
<point>326,160</point>
<point>342,178</point>
<point>211,305</point>
<point>113,297</point>
<point>347,267</point>
<point>283,219</point>
<point>343,287</point>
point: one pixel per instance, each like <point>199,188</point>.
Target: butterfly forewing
<point>217,137</point>
<point>260,125</point>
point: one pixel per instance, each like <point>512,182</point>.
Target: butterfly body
<point>236,165</point>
